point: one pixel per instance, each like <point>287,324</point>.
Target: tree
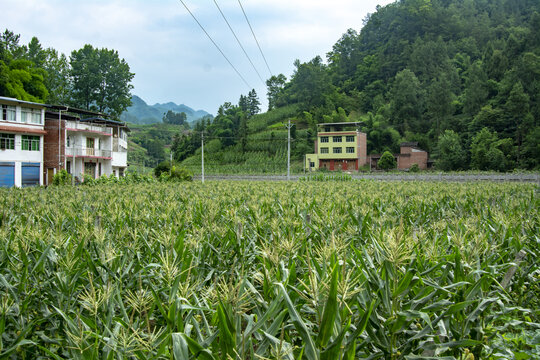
<point>387,161</point>
<point>275,87</point>
<point>101,80</point>
<point>487,151</point>
<point>174,118</point>
<point>452,156</point>
<point>253,103</point>
<point>406,105</point>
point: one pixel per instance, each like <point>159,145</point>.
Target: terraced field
<point>271,270</point>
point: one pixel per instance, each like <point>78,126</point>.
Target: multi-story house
<point>93,146</point>
<point>21,142</point>
<point>339,146</point>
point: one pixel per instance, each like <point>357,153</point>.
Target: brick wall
<point>410,156</point>
<point>50,149</point>
<point>361,143</point>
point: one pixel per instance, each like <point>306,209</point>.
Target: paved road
<point>531,178</point>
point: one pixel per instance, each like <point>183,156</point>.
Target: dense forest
<point>460,77</point>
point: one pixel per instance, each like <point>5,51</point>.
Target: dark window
<point>324,139</point>
<point>30,142</point>
<point>337,150</point>
<point>336,138</point>
<point>350,138</point>
<point>7,141</point>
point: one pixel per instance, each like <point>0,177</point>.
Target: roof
<point>23,130</point>
<point>21,101</point>
<point>75,110</point>
<point>409,144</point>
<point>97,120</point>
<point>340,123</point>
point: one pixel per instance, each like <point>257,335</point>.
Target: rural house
<point>339,146</point>
<point>409,154</point>
<point>93,146</point>
<point>21,142</point>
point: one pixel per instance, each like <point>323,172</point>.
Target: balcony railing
<point>119,145</point>
<point>88,127</point>
<point>88,152</point>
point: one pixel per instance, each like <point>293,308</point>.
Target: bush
<point>164,166</point>
<point>176,175</point>
<point>414,168</point>
<point>62,178</point>
<point>387,161</point>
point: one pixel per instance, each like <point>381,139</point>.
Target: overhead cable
<point>257,41</point>
<point>239,43</point>
<point>215,44</point>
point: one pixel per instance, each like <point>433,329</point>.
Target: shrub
<point>387,161</point>
<point>62,178</point>
<point>414,168</point>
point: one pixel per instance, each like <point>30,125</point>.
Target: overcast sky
<point>172,58</point>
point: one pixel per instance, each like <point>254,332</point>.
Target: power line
<point>239,43</point>
<point>216,45</point>
<point>258,45</point>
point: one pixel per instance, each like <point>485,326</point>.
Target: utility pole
<point>170,167</point>
<point>202,156</point>
<point>289,150</point>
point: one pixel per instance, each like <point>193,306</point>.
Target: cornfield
<point>243,270</point>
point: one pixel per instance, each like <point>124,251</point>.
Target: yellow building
<point>339,146</point>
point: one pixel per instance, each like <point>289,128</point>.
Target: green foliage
<point>270,270</point>
<point>162,167</point>
<point>451,155</point>
<point>176,174</point>
<point>387,161</point>
<point>174,118</point>
<point>101,80</point>
<point>487,151</point>
<point>62,178</point>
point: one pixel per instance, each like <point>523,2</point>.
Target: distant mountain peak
<point>142,113</point>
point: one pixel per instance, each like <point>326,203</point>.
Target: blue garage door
<point>30,174</point>
<point>7,174</point>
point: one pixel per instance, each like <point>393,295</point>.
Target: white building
<point>21,142</point>
<point>92,146</point>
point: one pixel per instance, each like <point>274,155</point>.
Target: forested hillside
<point>461,77</point>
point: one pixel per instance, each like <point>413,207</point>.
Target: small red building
<point>409,154</point>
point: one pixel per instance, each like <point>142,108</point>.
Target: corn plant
<point>260,270</point>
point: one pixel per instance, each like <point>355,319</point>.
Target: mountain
<point>142,113</point>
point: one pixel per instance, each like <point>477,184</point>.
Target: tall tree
<point>406,106</point>
<point>101,80</point>
<point>275,87</point>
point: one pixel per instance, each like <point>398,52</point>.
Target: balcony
<point>89,128</point>
<point>119,145</point>
<point>88,152</point>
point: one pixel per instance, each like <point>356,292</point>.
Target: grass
<point>240,270</point>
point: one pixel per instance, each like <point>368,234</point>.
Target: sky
<point>172,58</point>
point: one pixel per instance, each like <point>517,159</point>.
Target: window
<point>327,128</point>
<point>336,138</point>
<point>35,116</point>
<point>324,150</point>
<point>7,141</point>
<point>324,139</point>
<point>26,115</point>
<point>311,164</point>
<point>350,150</point>
<point>336,150</point>
<point>350,138</point>
<point>30,142</point>
<point>68,142</point>
<point>8,113</point>
<point>68,167</point>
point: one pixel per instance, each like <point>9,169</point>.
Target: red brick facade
<point>409,155</point>
<point>54,142</point>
